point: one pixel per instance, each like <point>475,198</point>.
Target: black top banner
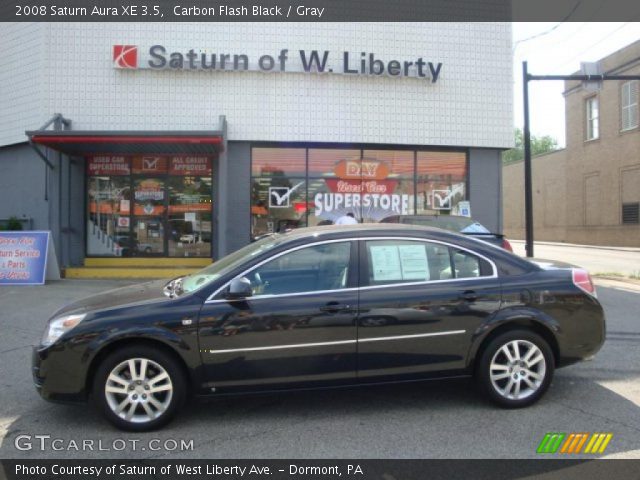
<point>318,10</point>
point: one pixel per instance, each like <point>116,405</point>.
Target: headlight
<point>60,325</point>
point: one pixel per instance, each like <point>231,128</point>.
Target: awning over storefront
<point>82,143</point>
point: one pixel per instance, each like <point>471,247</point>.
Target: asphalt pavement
<point>440,419</point>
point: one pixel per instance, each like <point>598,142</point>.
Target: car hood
<point>130,294</point>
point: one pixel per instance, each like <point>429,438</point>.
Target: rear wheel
<point>516,368</point>
<point>139,388</point>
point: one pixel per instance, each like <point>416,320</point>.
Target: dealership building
<point>173,144</point>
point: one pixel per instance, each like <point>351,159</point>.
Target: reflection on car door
<point>420,303</point>
<point>297,328</point>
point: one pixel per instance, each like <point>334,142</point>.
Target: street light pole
<point>528,188</point>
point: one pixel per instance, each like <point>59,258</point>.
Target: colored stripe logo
<point>573,443</point>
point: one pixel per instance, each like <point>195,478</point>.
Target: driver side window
<point>310,269</point>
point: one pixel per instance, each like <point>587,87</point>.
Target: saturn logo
<point>125,56</point>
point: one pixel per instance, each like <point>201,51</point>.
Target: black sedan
<point>323,307</point>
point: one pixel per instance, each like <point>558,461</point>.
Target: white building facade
<point>189,139</point>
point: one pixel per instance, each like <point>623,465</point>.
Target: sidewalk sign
<point>27,258</point>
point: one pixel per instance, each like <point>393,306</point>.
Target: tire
<point>518,381</point>
<point>142,408</point>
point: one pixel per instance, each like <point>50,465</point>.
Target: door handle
<point>334,307</point>
<point>469,296</point>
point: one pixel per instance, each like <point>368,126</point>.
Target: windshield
<point>197,280</point>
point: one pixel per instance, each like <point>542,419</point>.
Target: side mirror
<point>239,288</point>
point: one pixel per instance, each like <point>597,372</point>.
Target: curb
<point>628,281</point>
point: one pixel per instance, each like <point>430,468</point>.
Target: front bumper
<point>57,376</point>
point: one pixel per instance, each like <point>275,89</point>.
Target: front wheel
<point>139,388</point>
<point>516,368</point>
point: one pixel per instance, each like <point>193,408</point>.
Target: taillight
<point>506,245</point>
<point>582,280</point>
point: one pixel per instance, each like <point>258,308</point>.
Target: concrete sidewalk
<point>598,247</point>
<point>597,259</point>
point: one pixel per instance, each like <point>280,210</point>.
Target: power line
<point>582,52</point>
<point>547,32</point>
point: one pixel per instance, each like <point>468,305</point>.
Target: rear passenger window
<point>467,265</point>
<point>401,261</point>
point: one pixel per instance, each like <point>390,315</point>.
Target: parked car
<point>130,246</point>
<point>453,223</point>
<point>323,307</point>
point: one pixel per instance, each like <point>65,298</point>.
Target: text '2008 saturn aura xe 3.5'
<point>323,307</point>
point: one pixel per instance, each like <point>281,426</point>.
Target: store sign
<point>108,165</point>
<point>23,257</point>
<point>149,164</point>
<point>149,190</point>
<point>159,57</point>
<point>190,166</point>
<point>361,169</point>
<point>361,186</point>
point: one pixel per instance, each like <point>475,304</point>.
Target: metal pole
<point>528,189</point>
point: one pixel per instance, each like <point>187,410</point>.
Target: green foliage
<point>539,145</point>
<point>14,224</point>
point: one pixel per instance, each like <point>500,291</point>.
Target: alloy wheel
<point>517,369</point>
<point>138,390</point>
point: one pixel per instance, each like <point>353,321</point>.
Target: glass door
<point>149,206</point>
<point>189,218</point>
<point>148,228</point>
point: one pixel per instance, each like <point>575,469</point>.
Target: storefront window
<point>109,206</point>
<point>441,182</point>
<point>371,185</point>
<point>268,162</point>
<point>149,206</point>
<point>334,184</point>
<point>278,190</point>
<point>189,223</point>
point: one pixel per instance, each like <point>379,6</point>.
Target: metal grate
<point>631,212</point>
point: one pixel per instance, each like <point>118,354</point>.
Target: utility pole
<point>528,184</point>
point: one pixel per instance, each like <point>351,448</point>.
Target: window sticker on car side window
<point>385,263</point>
<point>413,260</point>
<point>391,263</point>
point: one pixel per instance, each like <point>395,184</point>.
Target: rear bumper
<point>588,332</point>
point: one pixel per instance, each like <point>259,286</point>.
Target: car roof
<point>301,236</point>
<point>362,229</point>
<point>329,232</point>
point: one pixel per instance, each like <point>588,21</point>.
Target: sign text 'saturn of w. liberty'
<point>158,57</point>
